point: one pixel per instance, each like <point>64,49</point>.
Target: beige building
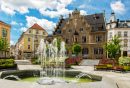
<point>26,46</point>
<point>5,33</point>
<point>89,31</point>
<point>120,28</point>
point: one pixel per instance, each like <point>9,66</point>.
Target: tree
<point>113,47</point>
<point>76,49</point>
<point>3,44</point>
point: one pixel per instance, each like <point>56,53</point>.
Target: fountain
<point>56,56</point>
<point>12,76</point>
<point>52,61</point>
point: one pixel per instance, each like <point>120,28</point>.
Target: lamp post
<point>34,45</point>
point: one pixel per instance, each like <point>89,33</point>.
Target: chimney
<point>69,15</point>
<point>61,17</point>
<point>95,15</point>
<point>117,20</point>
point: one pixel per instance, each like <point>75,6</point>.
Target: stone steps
<point>89,62</point>
<point>23,62</point>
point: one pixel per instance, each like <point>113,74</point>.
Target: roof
<point>4,23</point>
<point>36,26</point>
<point>97,24</point>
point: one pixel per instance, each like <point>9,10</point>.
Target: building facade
<point>120,28</point>
<point>89,31</point>
<point>5,33</point>
<point>28,42</point>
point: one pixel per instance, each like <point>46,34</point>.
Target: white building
<point>120,28</point>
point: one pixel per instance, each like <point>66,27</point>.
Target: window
<point>100,50</point>
<point>28,46</point>
<point>70,30</point>
<point>67,40</point>
<point>120,43</point>
<point>99,38</point>
<point>76,39</point>
<point>29,39</point>
<point>85,51</point>
<point>36,47</point>
<point>36,39</point>
<point>43,33</point>
<point>36,31</point>
<point>81,29</point>
<point>125,34</point>
<point>110,34</point>
<point>4,33</point>
<point>119,33</point>
<point>111,20</point>
<point>29,31</point>
<point>7,53</point>
<point>84,39</point>
<point>110,26</point>
<point>2,53</point>
<point>125,44</point>
<point>95,50</point>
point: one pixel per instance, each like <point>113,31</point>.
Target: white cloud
<point>23,29</point>
<point>14,23</point>
<point>82,12</point>
<point>57,13</point>
<point>118,7</point>
<point>7,10</point>
<point>45,24</point>
<point>21,24</point>
<point>11,42</point>
<point>82,6</point>
<point>14,29</point>
<point>22,6</point>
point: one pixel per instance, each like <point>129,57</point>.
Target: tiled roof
<point>36,26</point>
<point>97,24</point>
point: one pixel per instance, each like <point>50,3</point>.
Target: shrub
<point>101,66</point>
<point>109,66</point>
<point>69,66</point>
<point>7,65</point>
<point>127,68</point>
<point>123,60</point>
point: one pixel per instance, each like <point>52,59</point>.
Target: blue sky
<point>22,14</point>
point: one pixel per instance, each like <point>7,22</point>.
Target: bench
<point>119,68</point>
<point>96,67</point>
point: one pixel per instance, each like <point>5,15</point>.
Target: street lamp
<point>34,45</point>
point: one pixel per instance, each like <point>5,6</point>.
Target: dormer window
<point>81,29</point>
<point>70,30</point>
<point>111,20</point>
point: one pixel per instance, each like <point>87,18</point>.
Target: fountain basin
<point>34,76</point>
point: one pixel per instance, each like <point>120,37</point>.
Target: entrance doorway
<point>124,53</point>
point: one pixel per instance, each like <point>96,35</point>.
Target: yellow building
<point>5,33</point>
<point>26,46</point>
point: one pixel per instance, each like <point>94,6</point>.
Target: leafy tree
<point>3,44</point>
<point>113,47</point>
<point>76,49</point>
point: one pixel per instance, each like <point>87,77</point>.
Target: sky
<point>22,14</point>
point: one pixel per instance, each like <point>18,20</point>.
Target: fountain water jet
<point>55,57</point>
